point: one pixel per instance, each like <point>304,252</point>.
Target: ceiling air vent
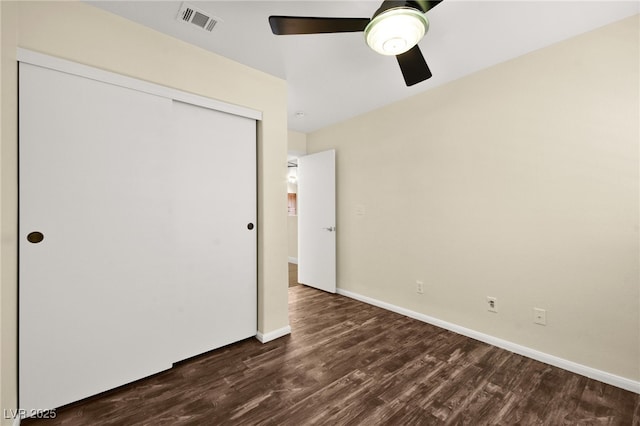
<point>197,17</point>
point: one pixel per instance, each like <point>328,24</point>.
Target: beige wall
<point>519,182</point>
<point>8,209</point>
<point>82,33</point>
<point>297,142</point>
<point>292,233</point>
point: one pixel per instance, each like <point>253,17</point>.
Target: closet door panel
<point>215,201</point>
<point>93,292</point>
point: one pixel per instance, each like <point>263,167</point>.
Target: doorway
<point>292,219</point>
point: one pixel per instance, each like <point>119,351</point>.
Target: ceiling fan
<point>394,30</point>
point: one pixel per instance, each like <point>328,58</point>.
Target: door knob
<point>35,237</point>
<point>330,229</point>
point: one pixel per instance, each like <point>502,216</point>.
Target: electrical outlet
<point>492,304</point>
<point>419,287</point>
<point>540,316</point>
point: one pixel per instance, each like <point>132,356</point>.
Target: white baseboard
<point>574,367</point>
<point>293,260</point>
<point>272,335</point>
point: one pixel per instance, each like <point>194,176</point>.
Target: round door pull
<point>250,226</point>
<point>35,237</point>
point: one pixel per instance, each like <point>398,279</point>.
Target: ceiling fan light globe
<point>396,31</point>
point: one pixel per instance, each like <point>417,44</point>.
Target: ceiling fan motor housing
<point>422,6</point>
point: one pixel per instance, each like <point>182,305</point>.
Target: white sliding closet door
<point>146,257</point>
<point>215,194</point>
<point>90,160</point>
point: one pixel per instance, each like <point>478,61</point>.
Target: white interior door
<point>317,221</point>
<point>134,245</point>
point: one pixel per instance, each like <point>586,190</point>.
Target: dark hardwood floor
<point>349,363</point>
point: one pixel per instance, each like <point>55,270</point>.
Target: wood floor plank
<point>349,363</point>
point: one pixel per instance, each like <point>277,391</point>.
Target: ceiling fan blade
<point>287,25</point>
<point>413,66</point>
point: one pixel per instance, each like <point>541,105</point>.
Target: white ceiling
<point>332,77</point>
